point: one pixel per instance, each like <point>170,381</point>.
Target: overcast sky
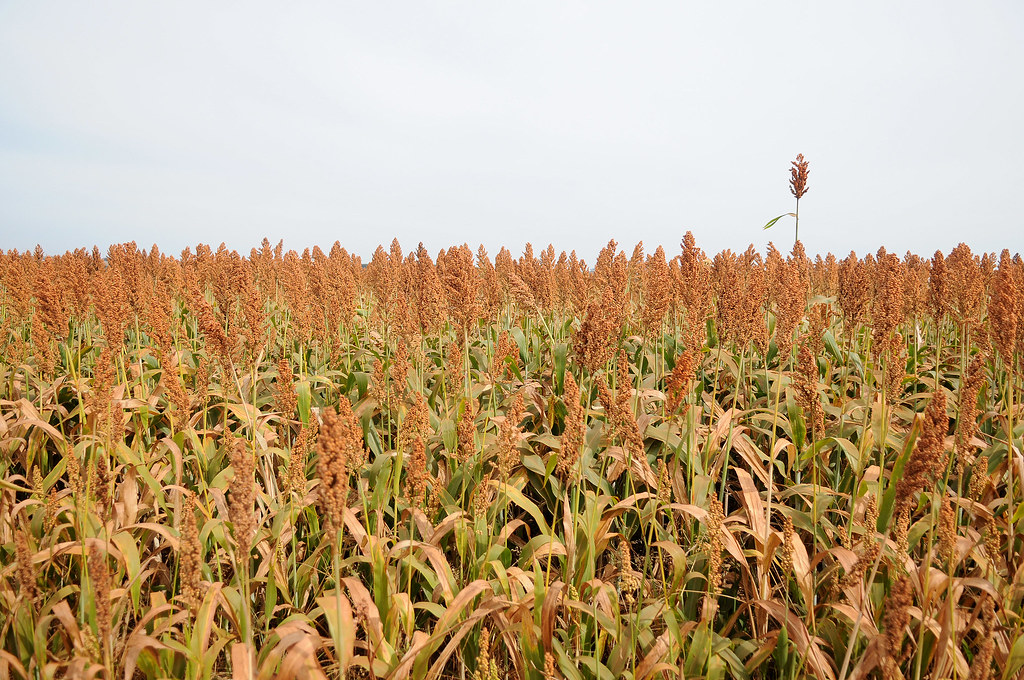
<point>506,122</point>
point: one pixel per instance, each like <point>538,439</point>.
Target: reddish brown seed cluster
<point>925,461</point>
<point>191,556</point>
<point>947,531</point>
<point>99,575</point>
<point>897,616</point>
<point>787,291</point>
<point>677,385</point>
<point>1003,310</point>
<point>466,432</point>
<point>806,384</point>
<point>23,561</point>
<point>619,410</point>
<point>594,340</point>
<point>742,293</point>
<point>854,291</point>
<point>887,301</point>
<point>938,287</point>
<point>981,667</point>
<point>967,420</point>
<point>967,282</point>
<point>788,536</point>
<point>715,519</point>
<point>242,496</point>
<point>285,398</point>
<point>798,177</point>
<point>339,448</point>
<point>454,368</point>
<point>657,292</point>
<point>295,475</point>
<point>506,349</point>
<point>575,429</point>
<point>418,428</point>
<point>692,273</point>
<point>213,330</point>
<point>100,403</point>
<point>509,434</point>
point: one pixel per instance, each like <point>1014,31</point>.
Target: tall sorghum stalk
<point>1004,322</point>
<point>338,446</point>
<point>724,475</point>
<point>241,509</point>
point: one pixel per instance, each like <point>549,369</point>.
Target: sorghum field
<point>661,465</point>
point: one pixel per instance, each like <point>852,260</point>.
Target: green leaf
<point>771,223</point>
<point>1016,659</point>
<point>889,496</point>
<point>782,648</point>
<point>270,600</point>
<point>796,420</point>
<point>535,464</point>
<point>304,395</point>
<point>517,497</point>
<point>1018,515</point>
<point>851,451</point>
<point>832,346</point>
<point>561,349</point>
<point>449,434</point>
<point>700,650</point>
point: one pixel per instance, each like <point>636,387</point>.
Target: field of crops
<point>663,465</point>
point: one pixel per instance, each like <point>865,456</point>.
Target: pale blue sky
<point>501,123</point>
